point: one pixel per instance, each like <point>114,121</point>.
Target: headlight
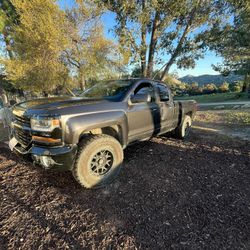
<point>45,124</point>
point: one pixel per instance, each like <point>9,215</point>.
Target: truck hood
<point>56,103</point>
<point>60,106</point>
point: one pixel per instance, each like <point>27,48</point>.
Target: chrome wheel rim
<point>101,162</point>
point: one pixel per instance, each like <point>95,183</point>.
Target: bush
<point>210,89</point>
<point>224,88</point>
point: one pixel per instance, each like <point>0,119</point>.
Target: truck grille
<point>22,136</point>
<point>22,130</point>
<point>22,121</point>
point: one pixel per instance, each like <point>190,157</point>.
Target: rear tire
<point>183,130</point>
<point>98,161</point>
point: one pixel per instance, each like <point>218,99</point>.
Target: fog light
<point>46,161</point>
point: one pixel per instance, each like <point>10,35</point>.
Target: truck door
<point>143,117</point>
<point>166,105</point>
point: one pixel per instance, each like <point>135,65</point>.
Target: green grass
<point>220,97</point>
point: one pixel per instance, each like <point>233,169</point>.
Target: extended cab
<point>87,134</point>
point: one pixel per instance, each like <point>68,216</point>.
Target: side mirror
<point>164,97</point>
<point>139,98</point>
<point>12,102</point>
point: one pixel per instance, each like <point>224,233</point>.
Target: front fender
<point>77,125</point>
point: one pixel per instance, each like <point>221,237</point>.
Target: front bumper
<point>58,158</point>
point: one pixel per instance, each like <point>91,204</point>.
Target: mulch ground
<point>191,194</point>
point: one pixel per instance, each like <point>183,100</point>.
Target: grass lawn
<point>220,97</point>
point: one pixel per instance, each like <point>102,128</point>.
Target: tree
<point>236,86</point>
<point>176,86</point>
<point>8,19</point>
<point>193,88</point>
<point>38,42</point>
<point>91,56</point>
<point>223,88</point>
<point>209,88</point>
<point>136,73</point>
<point>232,43</point>
<point>155,30</point>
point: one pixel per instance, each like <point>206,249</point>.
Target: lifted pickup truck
<point>87,134</point>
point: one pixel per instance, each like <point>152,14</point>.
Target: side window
<point>145,88</point>
<point>163,93</point>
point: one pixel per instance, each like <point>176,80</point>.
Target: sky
<point>203,66</point>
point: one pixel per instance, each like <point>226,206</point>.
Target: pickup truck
<point>87,134</point>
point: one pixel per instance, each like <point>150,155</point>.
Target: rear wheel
<point>184,129</point>
<point>98,161</point>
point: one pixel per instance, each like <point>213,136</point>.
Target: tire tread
<point>82,145</point>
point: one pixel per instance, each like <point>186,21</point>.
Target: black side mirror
<point>164,96</point>
<point>12,102</point>
<point>139,98</point>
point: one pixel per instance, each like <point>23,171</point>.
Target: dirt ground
<point>3,133</point>
<point>191,194</point>
<point>233,123</point>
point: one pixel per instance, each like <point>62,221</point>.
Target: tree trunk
<point>245,86</point>
<point>82,84</point>
<point>180,43</point>
<point>153,42</point>
<point>81,80</point>
<point>143,51</point>
<point>176,52</point>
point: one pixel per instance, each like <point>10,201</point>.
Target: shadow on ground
<point>170,194</point>
<point>3,133</point>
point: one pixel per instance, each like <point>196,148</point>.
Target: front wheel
<point>98,161</point>
<point>183,130</point>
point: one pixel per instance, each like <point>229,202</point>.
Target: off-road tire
<point>89,147</point>
<point>182,131</point>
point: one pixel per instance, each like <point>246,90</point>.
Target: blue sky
<point>203,66</point>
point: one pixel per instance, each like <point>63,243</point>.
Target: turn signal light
<point>45,139</point>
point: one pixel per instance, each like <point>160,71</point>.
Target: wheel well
<point>114,131</point>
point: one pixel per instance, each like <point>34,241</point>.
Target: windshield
<point>112,90</point>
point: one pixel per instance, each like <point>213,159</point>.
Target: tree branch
<point>72,60</point>
<point>179,45</point>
